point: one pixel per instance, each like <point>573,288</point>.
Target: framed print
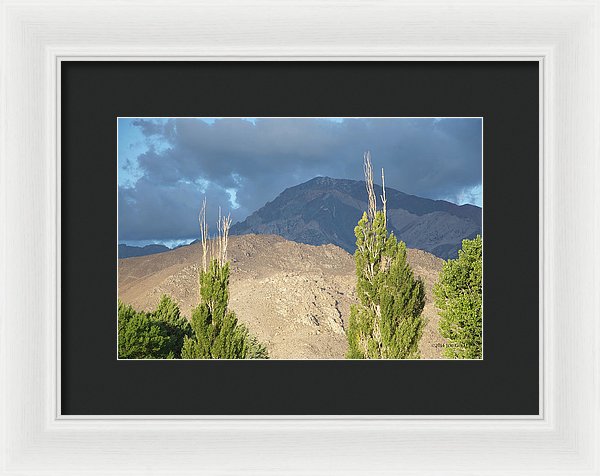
<point>300,238</point>
<point>280,298</point>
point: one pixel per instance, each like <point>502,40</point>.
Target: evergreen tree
<point>216,331</point>
<point>458,296</point>
<point>387,323</point>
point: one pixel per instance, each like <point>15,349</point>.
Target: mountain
<point>326,210</point>
<point>295,298</point>
<point>126,251</point>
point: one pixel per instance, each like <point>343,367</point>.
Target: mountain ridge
<point>326,210</point>
<point>128,251</point>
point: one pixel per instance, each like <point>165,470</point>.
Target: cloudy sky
<point>167,166</point>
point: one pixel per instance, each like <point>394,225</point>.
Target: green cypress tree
<point>387,322</point>
<point>458,296</point>
<point>216,331</point>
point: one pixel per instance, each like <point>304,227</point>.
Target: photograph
<point>299,238</point>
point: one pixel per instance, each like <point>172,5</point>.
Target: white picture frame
<point>562,35</point>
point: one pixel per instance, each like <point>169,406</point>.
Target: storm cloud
<point>240,164</point>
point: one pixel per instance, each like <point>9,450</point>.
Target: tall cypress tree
<point>387,322</point>
<point>216,331</point>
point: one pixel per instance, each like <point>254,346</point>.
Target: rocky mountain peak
<point>326,210</point>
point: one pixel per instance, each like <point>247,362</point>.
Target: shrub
<point>173,324</point>
<point>140,335</point>
<point>154,335</point>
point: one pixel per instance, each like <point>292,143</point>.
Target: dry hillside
<point>294,297</point>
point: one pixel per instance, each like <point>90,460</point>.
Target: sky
<point>166,166</point>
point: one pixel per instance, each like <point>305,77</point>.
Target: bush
<point>154,335</point>
<point>174,325</point>
<point>140,336</point>
<point>458,296</point>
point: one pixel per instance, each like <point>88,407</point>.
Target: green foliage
<point>173,324</point>
<point>387,323</point>
<point>216,331</point>
<point>165,334</point>
<point>458,296</point>
<point>155,335</point>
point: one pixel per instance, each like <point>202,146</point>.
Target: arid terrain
<point>294,297</point>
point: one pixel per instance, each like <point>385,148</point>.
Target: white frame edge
<point>37,36</point>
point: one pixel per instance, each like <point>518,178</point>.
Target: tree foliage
<point>151,335</point>
<point>387,322</point>
<point>458,296</point>
<point>216,331</point>
<point>174,324</point>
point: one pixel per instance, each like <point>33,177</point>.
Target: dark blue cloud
<point>239,164</point>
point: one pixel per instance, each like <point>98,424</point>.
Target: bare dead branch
<point>219,240</point>
<point>215,248</point>
<point>203,234</point>
<point>224,237</point>
<point>369,184</point>
<point>383,199</point>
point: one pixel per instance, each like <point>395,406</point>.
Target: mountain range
<point>326,210</point>
<point>128,251</point>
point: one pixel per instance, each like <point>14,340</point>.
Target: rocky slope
<point>294,297</point>
<point>325,210</point>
